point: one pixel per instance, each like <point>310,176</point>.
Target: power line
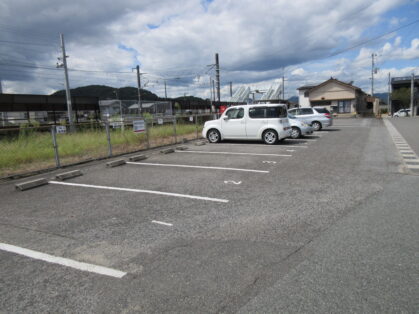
<point>370,40</point>
<point>27,43</point>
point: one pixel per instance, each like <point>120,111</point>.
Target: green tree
<point>402,95</point>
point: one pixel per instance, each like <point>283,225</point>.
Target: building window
<point>344,106</point>
<point>306,94</point>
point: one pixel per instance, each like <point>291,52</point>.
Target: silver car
<point>299,127</point>
<point>317,117</point>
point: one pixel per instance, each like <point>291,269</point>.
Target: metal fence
<point>32,148</point>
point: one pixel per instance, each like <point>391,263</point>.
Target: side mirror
<point>225,118</point>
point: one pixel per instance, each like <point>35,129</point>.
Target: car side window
<point>295,112</point>
<point>306,111</point>
<point>257,112</point>
<point>235,113</point>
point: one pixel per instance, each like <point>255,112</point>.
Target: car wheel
<point>295,132</point>
<point>317,126</point>
<point>213,136</point>
<point>270,137</point>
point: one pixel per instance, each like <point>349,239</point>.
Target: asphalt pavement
<point>323,224</point>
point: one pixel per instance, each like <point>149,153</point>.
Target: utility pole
<point>213,89</point>
<point>211,103</point>
<point>140,105</point>
<point>373,70</point>
<point>1,88</point>
<point>283,83</point>
<point>217,76</point>
<point>389,95</point>
<point>165,90</point>
<point>67,84</point>
<point>412,93</point>
<point>231,89</point>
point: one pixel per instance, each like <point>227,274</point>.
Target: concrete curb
<point>182,148</point>
<point>137,158</point>
<point>167,151</point>
<point>115,163</point>
<point>68,175</point>
<point>31,184</point>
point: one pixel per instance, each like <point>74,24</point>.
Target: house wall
<point>332,91</point>
<point>303,101</point>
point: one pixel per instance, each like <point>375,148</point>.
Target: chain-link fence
<point>33,148</point>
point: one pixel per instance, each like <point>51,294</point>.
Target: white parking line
<point>229,153</point>
<point>198,167</point>
<point>141,191</point>
<point>260,145</point>
<point>162,223</point>
<point>63,261</point>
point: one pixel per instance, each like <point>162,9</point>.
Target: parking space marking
<point>260,145</point>
<point>290,150</point>
<point>230,153</point>
<point>232,182</point>
<point>410,159</point>
<point>302,139</point>
<point>269,162</point>
<point>62,261</point>
<point>197,167</point>
<point>162,223</point>
<point>203,198</point>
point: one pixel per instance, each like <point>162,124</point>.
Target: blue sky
<point>257,42</point>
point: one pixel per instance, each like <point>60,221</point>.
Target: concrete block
<point>115,163</point>
<point>68,175</point>
<point>31,184</point>
<point>182,148</point>
<point>184,140</point>
<point>137,157</point>
<point>167,151</point>
<point>200,143</point>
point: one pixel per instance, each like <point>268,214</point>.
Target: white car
<point>402,113</point>
<point>266,122</point>
<point>317,117</point>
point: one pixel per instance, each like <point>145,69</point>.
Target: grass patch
<point>34,150</point>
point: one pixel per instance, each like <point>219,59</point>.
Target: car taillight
<point>327,115</point>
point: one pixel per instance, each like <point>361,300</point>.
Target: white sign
<point>191,118</point>
<point>116,124</point>
<point>159,121</point>
<point>138,126</point>
<point>61,129</point>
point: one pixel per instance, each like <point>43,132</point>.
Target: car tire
<point>317,126</point>
<point>270,137</point>
<point>295,132</point>
<point>213,136</point>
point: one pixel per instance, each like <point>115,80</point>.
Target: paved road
<point>328,229</point>
<point>409,129</point>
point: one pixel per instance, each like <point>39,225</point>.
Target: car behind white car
<point>266,122</point>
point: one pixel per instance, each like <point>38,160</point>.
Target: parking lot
<point>206,229</point>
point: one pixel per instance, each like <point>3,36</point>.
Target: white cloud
<point>255,39</point>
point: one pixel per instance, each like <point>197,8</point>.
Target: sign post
<point>138,126</point>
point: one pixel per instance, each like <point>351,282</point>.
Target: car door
<point>256,121</point>
<point>233,123</point>
<point>306,114</point>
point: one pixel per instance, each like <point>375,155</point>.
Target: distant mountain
<point>107,92</point>
<point>382,96</point>
<point>293,99</point>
